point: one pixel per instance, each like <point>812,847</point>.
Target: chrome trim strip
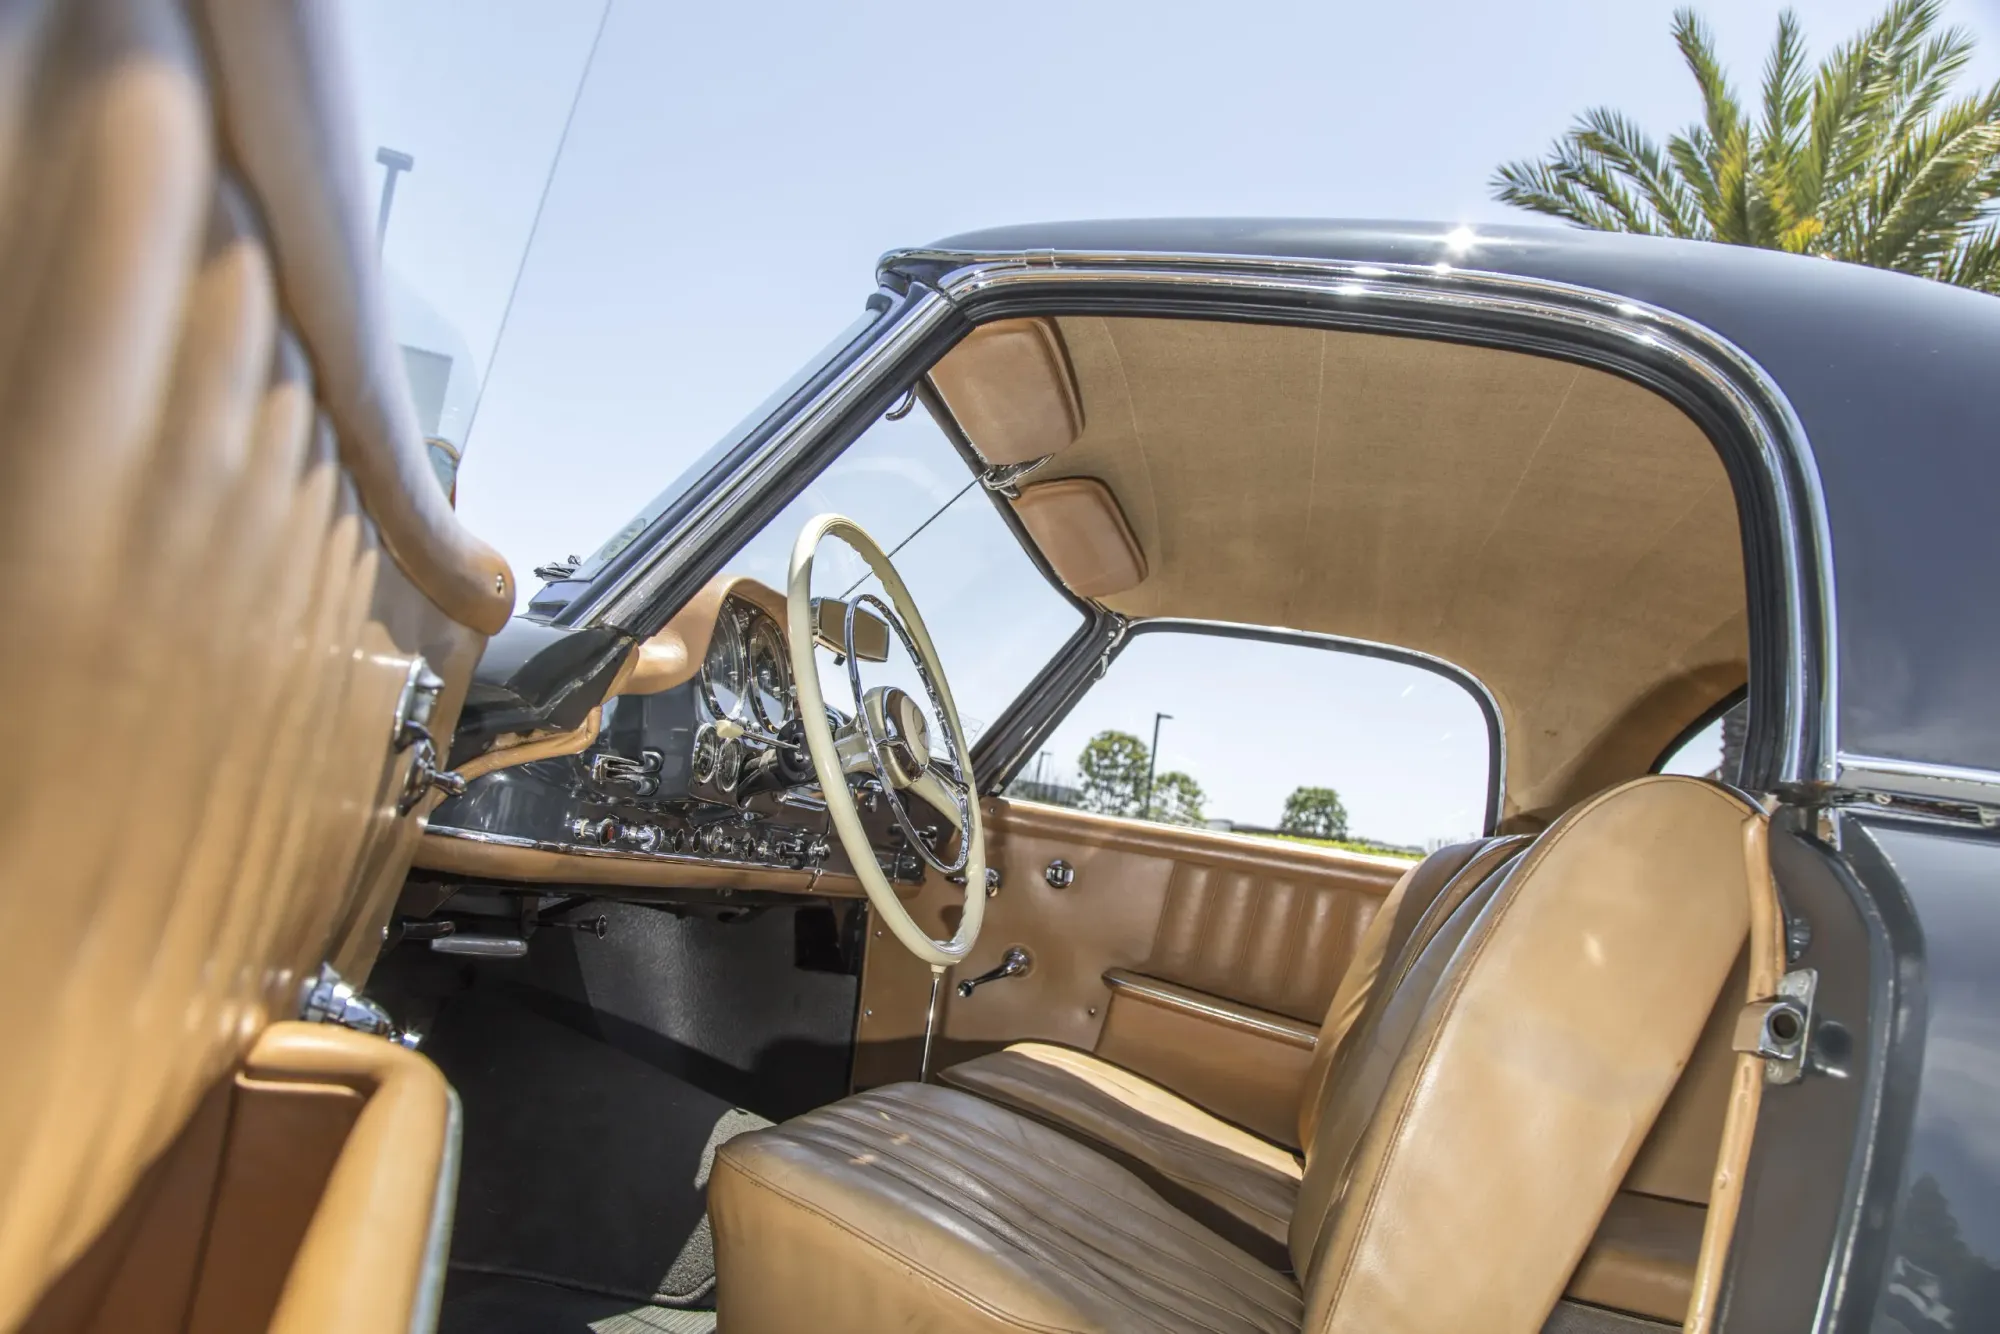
<point>1912,778</point>
<point>613,854</point>
<point>437,1237</point>
<point>1172,997</point>
<point>629,596</point>
<point>1780,438</point>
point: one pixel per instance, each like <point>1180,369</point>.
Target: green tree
<point>1113,766</point>
<point>1862,158</point>
<point>1316,812</point>
<point>1177,799</point>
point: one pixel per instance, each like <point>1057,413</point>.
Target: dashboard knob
<point>644,837</point>
<point>715,841</point>
<point>819,849</point>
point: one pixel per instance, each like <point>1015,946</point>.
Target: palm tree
<point>1861,159</point>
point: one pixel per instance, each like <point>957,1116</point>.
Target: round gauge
<point>722,672</point>
<point>729,765</point>
<point>770,680</point>
<point>702,766</point>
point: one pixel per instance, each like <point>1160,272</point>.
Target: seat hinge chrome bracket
<point>411,730</point>
<point>1780,1029</point>
<point>327,998</point>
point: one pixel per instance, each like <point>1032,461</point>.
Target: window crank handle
<point>1013,963</point>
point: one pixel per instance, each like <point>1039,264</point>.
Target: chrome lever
<point>1013,963</point>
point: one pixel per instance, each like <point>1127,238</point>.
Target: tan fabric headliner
<point>1564,535</point>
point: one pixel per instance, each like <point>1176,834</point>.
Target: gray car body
<point>1874,1198</point>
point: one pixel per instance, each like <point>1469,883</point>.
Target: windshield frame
<point>754,470</point>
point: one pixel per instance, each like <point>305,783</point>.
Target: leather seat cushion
<point>1240,1186</point>
<point>914,1206</point>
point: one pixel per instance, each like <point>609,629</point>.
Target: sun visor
<point>1082,533</point>
<point>1010,386</point>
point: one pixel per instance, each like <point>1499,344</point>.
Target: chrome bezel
<point>729,765</point>
<point>762,626</point>
<point>707,752</point>
<point>732,618</point>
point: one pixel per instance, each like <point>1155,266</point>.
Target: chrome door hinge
<point>411,731</point>
<point>1780,1029</point>
<point>326,998</point>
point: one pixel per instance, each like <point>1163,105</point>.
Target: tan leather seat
<point>228,564</point>
<point>1243,1187</point>
<point>1458,1168</point>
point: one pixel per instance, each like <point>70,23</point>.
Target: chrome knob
<point>644,837</point>
<point>1060,874</point>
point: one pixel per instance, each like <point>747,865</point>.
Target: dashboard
<point>695,774</point>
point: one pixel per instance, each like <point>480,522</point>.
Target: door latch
<point>411,731</point>
<point>327,998</point>
<point>1779,1029</point>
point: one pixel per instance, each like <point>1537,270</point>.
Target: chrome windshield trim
<point>1369,291</point>
<point>625,600</point>
<point>1875,774</point>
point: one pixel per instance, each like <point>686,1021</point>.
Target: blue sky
<point>733,172</point>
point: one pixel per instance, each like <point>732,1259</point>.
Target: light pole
<point>394,164</point>
<point>1152,758</point>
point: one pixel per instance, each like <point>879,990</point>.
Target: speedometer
<point>722,672</point>
<point>770,680</point>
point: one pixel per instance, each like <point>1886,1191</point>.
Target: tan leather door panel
<point>1265,925</point>
<point>230,551</point>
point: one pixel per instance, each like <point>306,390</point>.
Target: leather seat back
<point>1527,1053</point>
<point>225,551</point>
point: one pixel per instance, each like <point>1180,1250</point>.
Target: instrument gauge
<point>723,671</point>
<point>729,765</point>
<point>770,677</point>
<point>706,747</point>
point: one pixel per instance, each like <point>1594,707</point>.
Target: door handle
<point>1013,963</point>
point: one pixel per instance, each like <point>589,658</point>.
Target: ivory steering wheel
<point>889,738</point>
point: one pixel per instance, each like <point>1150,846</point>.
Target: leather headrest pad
<point>1083,535</point>
<point>1010,386</point>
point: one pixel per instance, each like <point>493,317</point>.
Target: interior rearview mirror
<point>871,632</point>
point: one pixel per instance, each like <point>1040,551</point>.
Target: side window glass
<point>1716,751</point>
<point>1272,739</point>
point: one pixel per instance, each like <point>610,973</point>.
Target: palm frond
<point>1928,187</point>
<point>1721,113</point>
<point>1563,188</point>
<point>1621,145</point>
<point>1973,260</point>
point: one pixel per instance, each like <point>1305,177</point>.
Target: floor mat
<point>583,1166</point>
<point>482,1304</point>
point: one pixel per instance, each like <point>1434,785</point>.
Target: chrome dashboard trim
<point>1370,291</point>
<point>1171,996</point>
<point>610,854</point>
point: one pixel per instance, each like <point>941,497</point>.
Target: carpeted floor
<point>487,1304</point>
<point>583,1168</point>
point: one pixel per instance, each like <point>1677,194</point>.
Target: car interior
<point>751,990</point>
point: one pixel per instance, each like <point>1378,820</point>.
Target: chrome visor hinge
<point>1780,1029</point>
<point>327,998</point>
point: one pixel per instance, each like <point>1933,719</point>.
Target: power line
<point>535,226</point>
